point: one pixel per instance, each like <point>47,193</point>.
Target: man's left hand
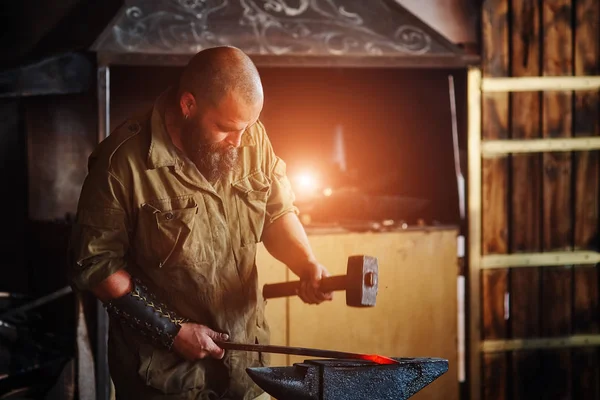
<point>309,290</point>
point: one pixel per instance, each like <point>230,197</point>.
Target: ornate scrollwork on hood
<point>273,27</point>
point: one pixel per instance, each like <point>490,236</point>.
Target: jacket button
<point>169,216</point>
<point>134,127</point>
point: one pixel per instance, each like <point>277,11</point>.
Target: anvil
<point>335,379</point>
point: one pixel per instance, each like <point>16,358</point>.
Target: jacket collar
<point>162,151</point>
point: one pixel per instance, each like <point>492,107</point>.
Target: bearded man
<point>169,217</point>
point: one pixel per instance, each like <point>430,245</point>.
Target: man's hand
<point>286,240</point>
<point>196,341</point>
<point>309,290</point>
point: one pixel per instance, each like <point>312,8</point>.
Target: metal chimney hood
<point>321,33</point>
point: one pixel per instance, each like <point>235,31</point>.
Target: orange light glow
<point>306,184</point>
<point>307,181</point>
<point>327,192</point>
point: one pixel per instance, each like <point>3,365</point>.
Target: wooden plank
<point>554,342</point>
<point>555,373</point>
<point>542,259</point>
<point>527,382</point>
<point>493,148</point>
<point>494,196</point>
<point>536,83</point>
<point>557,219</point>
<point>585,362</point>
<point>526,190</point>
<point>585,373</point>
<point>495,368</point>
<point>494,289</point>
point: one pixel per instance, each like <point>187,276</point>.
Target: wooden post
<point>494,198</point>
<point>586,123</point>
<point>526,187</point>
<point>557,206</point>
<point>475,235</point>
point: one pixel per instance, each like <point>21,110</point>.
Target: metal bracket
<point>540,83</point>
<point>540,259</point>
<point>103,381</point>
<point>492,148</point>
<point>495,346</point>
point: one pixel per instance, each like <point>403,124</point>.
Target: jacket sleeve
<point>100,236</point>
<point>281,197</point>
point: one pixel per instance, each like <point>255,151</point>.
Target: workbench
<point>416,310</point>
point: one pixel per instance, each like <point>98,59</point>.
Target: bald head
<point>215,72</point>
<point>220,96</point>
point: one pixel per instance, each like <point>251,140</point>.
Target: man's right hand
<point>196,341</point>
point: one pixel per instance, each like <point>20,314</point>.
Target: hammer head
<point>361,280</point>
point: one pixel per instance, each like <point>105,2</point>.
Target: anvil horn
<point>349,379</point>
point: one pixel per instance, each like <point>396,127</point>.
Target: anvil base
<point>348,379</point>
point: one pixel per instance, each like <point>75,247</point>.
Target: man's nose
<point>235,139</point>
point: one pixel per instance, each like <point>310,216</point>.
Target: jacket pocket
<point>251,195</point>
<point>169,373</point>
<point>166,227</point>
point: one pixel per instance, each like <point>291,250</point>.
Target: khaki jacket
<point>145,207</point>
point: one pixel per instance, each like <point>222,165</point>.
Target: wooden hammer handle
<point>286,289</point>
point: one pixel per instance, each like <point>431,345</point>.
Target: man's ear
<point>187,104</point>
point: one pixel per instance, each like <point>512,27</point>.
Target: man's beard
<point>213,160</point>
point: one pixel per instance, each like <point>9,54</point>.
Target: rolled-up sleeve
<point>99,239</point>
<point>281,196</point>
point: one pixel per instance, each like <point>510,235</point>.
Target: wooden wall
<point>540,202</point>
<point>416,310</point>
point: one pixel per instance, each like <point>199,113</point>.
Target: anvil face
<point>349,379</point>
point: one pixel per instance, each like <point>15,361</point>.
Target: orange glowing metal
<point>379,359</point>
<point>303,351</point>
